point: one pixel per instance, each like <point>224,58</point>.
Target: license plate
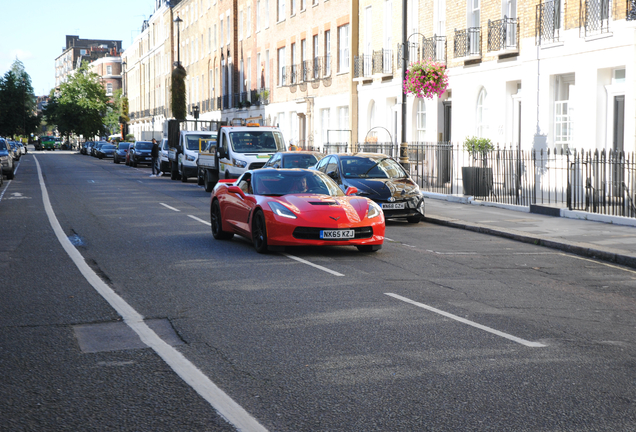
<point>392,206</point>
<point>337,234</point>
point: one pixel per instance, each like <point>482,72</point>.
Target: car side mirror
<point>351,190</point>
<point>237,190</point>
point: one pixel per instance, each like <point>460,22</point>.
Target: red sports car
<point>290,207</point>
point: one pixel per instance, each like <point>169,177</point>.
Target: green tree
<point>17,103</point>
<point>179,110</point>
<point>80,106</point>
<point>113,113</point>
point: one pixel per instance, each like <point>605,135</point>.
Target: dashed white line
<point>171,208</point>
<point>200,220</point>
<point>224,405</point>
<point>470,323</point>
<point>325,269</point>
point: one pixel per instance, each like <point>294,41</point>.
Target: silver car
<point>6,159</point>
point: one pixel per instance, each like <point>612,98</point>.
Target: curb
<point>581,249</point>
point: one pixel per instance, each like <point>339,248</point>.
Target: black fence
<point>601,182</point>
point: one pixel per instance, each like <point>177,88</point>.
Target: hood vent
<point>323,203</point>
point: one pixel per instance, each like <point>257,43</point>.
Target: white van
<point>190,142</point>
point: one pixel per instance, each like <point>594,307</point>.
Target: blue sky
<point>35,31</point>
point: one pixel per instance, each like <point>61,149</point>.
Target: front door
<point>447,121</point>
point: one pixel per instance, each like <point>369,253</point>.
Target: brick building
<point>528,74</point>
<point>77,50</point>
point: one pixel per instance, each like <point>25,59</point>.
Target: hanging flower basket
<point>425,79</point>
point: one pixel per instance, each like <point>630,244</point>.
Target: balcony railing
<point>503,34</point>
<point>293,77</point>
<point>383,62</point>
<point>548,22</point>
<point>434,48</point>
<point>363,66</point>
<point>594,17</point>
<point>467,42</point>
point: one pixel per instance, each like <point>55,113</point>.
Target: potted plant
<point>477,180</point>
<point>265,97</point>
<point>425,79</point>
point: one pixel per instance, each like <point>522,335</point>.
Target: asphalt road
<point>441,330</point>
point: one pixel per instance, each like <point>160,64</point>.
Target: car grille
<point>308,233</point>
<point>256,165</point>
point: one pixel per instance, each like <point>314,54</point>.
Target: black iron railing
<point>548,22</point>
<point>467,42</point>
<point>383,61</point>
<point>503,34</point>
<point>434,48</point>
<point>594,16</point>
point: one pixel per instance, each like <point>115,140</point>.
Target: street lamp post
<point>178,20</point>
<point>404,146</point>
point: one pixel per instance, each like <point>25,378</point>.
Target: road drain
<point>117,336</point>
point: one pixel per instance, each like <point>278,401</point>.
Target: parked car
<point>140,153</point>
<point>290,207</point>
<point>294,159</point>
<point>15,150</point>
<point>6,159</point>
<point>380,178</point>
<point>121,152</point>
<point>96,147</point>
<point>105,151</point>
<point>22,148</point>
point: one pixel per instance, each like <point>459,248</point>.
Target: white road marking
<point>200,220</point>
<point>9,182</point>
<point>171,208</point>
<point>470,323</point>
<point>325,269</point>
<point>225,406</point>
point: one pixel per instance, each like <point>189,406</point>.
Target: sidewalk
<point>607,241</point>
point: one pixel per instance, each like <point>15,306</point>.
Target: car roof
<point>374,155</point>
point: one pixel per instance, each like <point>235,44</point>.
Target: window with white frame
<point>229,32</point>
<point>327,52</point>
<point>480,114</point>
<point>281,66</point>
<point>266,13</point>
<point>343,48</point>
<point>343,124</point>
<point>240,24</point>
<point>248,21</point>
<point>109,89</point>
<point>294,67</point>
<point>267,66</point>
<point>292,7</point>
<point>258,15</point>
<point>109,70</point>
<point>221,34</point>
<point>241,77</point>
<point>214,37</point>
<point>293,123</point>
<point>563,110</point>
<point>248,74</point>
<point>421,120</point>
<point>280,10</point>
<point>324,125</point>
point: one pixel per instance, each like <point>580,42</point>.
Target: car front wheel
<point>259,232</point>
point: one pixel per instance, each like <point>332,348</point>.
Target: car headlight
<point>281,210</point>
<point>374,210</point>
<point>239,163</point>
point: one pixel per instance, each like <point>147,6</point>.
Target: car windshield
<point>257,141</point>
<point>192,141</point>
<point>370,167</point>
<point>123,146</point>
<point>278,183</point>
<point>143,146</point>
<point>299,160</point>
